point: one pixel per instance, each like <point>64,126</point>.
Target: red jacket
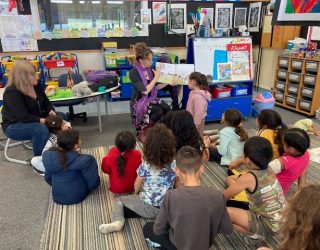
<point>124,184</point>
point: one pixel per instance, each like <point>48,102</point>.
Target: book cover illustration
<point>224,72</point>
<point>175,74</point>
<point>239,57</point>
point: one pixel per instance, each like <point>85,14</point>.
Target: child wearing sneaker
<point>121,163</point>
<point>192,215</point>
<point>155,175</point>
<point>54,124</point>
<point>264,192</point>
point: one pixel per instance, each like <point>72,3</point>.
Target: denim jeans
<point>35,131</point>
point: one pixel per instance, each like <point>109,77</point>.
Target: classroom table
<point>97,95</point>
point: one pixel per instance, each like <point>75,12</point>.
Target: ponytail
<point>241,132</point>
<point>62,156</point>
<point>121,163</point>
<point>278,133</point>
<point>125,142</point>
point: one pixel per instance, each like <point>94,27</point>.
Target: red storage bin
<point>221,92</point>
<point>69,63</point>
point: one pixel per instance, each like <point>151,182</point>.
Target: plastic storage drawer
<point>291,100</point>
<point>295,77</point>
<point>283,62</point>
<point>310,79</point>
<point>280,85</point>
<point>282,74</point>
<point>293,88</point>
<point>307,92</point>
<point>305,105</point>
<point>239,89</point>
<point>278,96</point>
<point>312,66</point>
<point>296,64</point>
<point>221,92</point>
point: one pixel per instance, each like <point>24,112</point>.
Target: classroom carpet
<point>75,227</point>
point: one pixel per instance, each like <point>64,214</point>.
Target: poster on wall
<point>159,10</point>
<point>146,16</point>
<point>223,16</point>
<point>208,17</point>
<point>239,57</point>
<point>254,17</point>
<point>293,10</point>
<point>240,17</point>
<point>178,19</point>
<point>11,45</point>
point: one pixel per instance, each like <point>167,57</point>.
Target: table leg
<point>99,113</point>
<point>105,104</point>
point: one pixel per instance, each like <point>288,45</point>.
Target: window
<point>92,14</point>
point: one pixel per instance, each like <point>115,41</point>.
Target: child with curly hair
<point>155,176</point>
<point>121,163</point>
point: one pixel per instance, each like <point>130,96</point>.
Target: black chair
<point>77,78</point>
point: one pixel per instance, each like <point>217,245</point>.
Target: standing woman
<point>25,107</point>
<point>145,90</point>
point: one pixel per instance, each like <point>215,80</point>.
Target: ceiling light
<point>61,1</point>
<point>81,2</point>
<point>115,2</point>
<point>95,2</point>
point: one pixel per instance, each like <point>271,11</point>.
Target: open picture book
<point>175,74</point>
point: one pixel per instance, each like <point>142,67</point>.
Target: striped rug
<point>75,227</point>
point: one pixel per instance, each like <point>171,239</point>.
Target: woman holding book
<point>145,88</point>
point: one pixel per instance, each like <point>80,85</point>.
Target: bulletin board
<point>232,55</point>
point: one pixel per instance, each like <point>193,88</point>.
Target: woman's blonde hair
<point>19,76</point>
<point>301,227</point>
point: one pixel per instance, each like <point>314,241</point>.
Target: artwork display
<point>178,19</point>
<point>159,10</point>
<point>208,17</point>
<point>223,17</point>
<point>146,16</point>
<point>224,72</point>
<point>254,17</point>
<point>175,74</point>
<point>240,17</point>
<point>299,10</point>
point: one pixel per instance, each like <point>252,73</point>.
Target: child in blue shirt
<point>231,139</point>
<point>155,176</point>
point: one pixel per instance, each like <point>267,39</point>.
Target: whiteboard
<point>203,49</point>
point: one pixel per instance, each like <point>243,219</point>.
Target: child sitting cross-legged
<point>155,176</point>
<point>192,215</point>
<point>121,163</point>
<point>264,192</point>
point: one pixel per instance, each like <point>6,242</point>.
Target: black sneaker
<point>38,171</point>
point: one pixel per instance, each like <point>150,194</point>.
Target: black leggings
<point>162,240</point>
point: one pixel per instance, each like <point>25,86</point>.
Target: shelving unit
<point>297,84</point>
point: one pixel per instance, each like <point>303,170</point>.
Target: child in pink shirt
<point>293,165</point>
<point>198,99</point>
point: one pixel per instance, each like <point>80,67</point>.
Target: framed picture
<point>292,10</point>
<point>177,17</point>
<point>240,17</point>
<point>254,17</point>
<point>223,16</point>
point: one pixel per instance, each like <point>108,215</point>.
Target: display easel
<point>218,105</point>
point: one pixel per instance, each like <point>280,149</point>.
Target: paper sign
<point>60,63</point>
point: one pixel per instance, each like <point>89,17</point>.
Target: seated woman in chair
<point>145,88</point>
<point>25,107</point>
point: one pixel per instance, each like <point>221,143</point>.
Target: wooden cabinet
<point>297,84</point>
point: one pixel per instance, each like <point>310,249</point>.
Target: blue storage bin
<point>126,90</point>
<point>239,89</point>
